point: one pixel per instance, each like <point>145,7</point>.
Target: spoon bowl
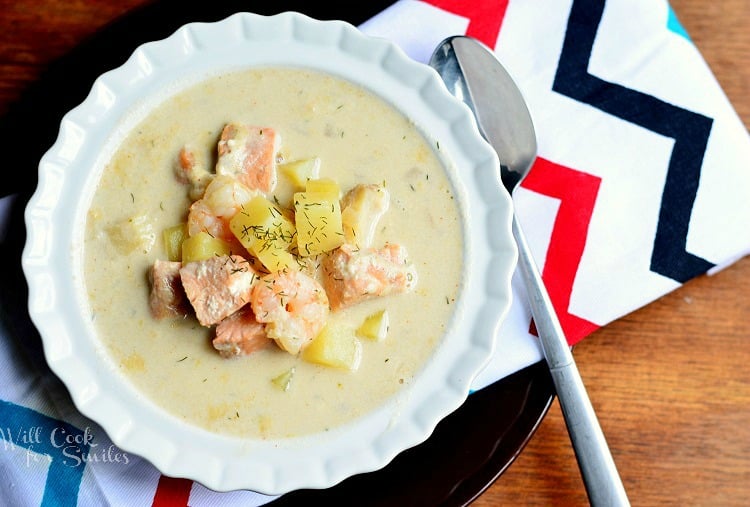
<point>507,125</point>
<point>472,73</point>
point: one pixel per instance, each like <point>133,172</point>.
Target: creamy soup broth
<point>359,139</point>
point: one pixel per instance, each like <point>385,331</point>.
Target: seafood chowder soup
<point>273,252</point>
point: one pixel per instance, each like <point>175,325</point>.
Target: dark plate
<point>467,451</point>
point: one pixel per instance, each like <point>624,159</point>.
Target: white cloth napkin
<point>641,184</point>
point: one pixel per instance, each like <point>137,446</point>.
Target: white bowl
<point>52,257</point>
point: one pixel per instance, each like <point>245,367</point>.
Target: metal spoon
<point>472,73</point>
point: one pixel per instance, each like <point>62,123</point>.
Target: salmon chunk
<point>217,287</point>
<point>167,297</point>
<point>240,334</point>
<point>249,153</point>
<point>351,275</point>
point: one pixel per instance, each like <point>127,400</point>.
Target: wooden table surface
<point>670,382</point>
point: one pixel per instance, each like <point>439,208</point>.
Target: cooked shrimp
<point>223,199</point>
<point>189,171</point>
<point>240,334</point>
<point>351,275</point>
<point>293,306</point>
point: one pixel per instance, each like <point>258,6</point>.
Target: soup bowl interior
<point>54,265</point>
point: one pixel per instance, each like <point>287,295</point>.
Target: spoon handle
<point>600,476</point>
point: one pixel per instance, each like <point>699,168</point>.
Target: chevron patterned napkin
<point>639,153</point>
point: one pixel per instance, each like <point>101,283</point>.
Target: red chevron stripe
<point>577,192</point>
<point>485,18</point>
<point>172,492</point>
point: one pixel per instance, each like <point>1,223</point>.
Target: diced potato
<point>265,232</point>
<point>293,177</point>
<point>375,326</point>
<point>325,186</point>
<point>318,221</point>
<point>203,246</point>
<point>262,220</point>
<point>335,346</point>
<point>299,171</point>
<point>284,380</point>
<point>132,233</point>
<point>173,237</point>
<point>362,208</point>
<point>273,258</point>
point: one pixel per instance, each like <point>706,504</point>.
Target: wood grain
<point>35,33</point>
<point>670,382</point>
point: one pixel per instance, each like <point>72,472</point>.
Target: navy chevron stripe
<point>689,130</point>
